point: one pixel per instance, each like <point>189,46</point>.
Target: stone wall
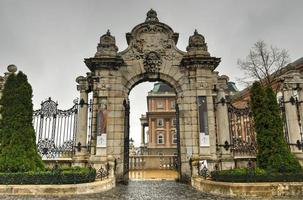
<point>59,190</point>
<point>242,190</point>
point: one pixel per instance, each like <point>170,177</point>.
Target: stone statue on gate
<point>102,117</point>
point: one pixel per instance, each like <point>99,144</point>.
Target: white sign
<point>204,140</point>
<point>101,140</point>
<point>189,152</point>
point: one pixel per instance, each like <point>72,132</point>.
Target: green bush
<point>273,153</point>
<point>255,175</point>
<point>18,151</point>
<point>54,176</point>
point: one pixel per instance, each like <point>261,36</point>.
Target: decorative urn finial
<point>12,68</point>
<point>151,16</point>
<point>197,44</point>
<point>107,46</point>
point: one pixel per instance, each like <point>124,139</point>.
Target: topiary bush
<point>273,153</point>
<point>18,151</point>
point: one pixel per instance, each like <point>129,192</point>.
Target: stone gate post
<point>200,67</point>
<point>223,125</point>
<point>81,133</point>
<point>291,82</point>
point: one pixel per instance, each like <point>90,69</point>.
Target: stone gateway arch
<point>152,55</point>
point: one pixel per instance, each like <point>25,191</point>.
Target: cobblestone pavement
<point>137,190</point>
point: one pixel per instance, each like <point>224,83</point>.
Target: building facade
<point>161,121</point>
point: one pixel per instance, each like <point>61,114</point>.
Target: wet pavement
<point>153,174</point>
<point>138,190</point>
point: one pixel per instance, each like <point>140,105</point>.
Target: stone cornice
<point>106,62</point>
<point>196,62</point>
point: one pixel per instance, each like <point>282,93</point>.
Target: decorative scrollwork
<point>103,172</point>
<point>46,148</point>
<point>152,61</point>
<point>67,146</point>
<point>242,146</point>
<point>55,129</point>
<point>241,130</point>
<point>49,108</point>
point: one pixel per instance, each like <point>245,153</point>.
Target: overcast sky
<point>48,40</point>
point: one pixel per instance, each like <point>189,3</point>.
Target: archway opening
<point>153,141</point>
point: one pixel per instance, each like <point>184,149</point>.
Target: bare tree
<point>263,63</point>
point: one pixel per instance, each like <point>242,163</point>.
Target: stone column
<point>293,127</point>
<point>222,120</point>
<point>142,135</point>
<point>293,81</point>
<point>81,134</point>
<point>223,129</point>
<point>300,95</point>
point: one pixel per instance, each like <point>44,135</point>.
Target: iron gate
<point>242,133</point>
<point>126,141</point>
<point>178,158</point>
<point>55,130</point>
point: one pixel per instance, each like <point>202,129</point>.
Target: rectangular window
<point>174,135</point>
<point>160,138</point>
<point>174,122</point>
<point>160,122</point>
<point>173,105</point>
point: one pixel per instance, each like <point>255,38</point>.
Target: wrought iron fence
<point>241,128</point>
<point>283,116</point>
<point>55,130</point>
<point>295,102</point>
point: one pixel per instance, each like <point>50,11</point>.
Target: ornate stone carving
<point>152,62</point>
<point>107,46</point>
<point>83,84</point>
<point>102,117</point>
<point>292,80</point>
<point>202,85</point>
<point>103,86</point>
<point>197,44</point>
<point>197,54</point>
<point>151,16</point>
<point>151,36</point>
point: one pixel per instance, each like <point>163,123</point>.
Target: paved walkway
<point>138,190</point>
<point>153,174</point>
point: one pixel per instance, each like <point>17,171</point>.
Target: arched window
<point>175,138</point>
<point>160,139</point>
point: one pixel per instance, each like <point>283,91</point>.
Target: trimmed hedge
<point>55,176</point>
<point>255,175</point>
